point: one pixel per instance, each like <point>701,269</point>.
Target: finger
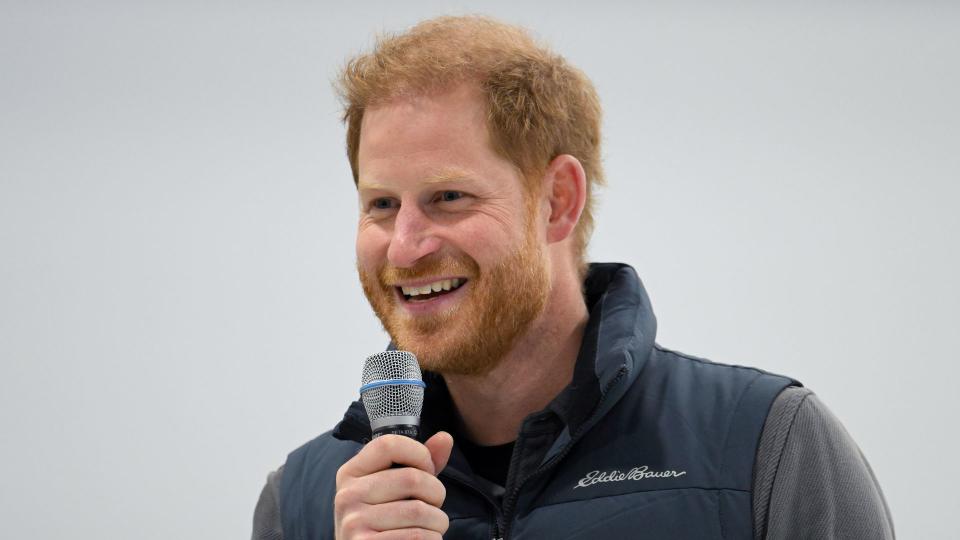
<point>406,514</point>
<point>397,485</point>
<point>383,452</point>
<point>440,446</point>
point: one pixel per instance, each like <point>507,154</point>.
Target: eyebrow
<point>439,177</point>
<point>449,175</point>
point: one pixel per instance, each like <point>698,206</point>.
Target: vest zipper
<point>498,526</point>
<point>510,499</point>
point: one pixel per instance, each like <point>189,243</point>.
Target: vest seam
<point>705,361</point>
<point>726,441</point>
<point>722,523</point>
<point>301,532</point>
<point>690,488</point>
<point>793,420</point>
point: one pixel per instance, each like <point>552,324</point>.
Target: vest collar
<point>626,329</point>
<point>616,345</point>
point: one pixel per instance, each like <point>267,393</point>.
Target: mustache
<point>459,265</point>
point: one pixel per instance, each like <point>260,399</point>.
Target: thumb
<point>440,446</point>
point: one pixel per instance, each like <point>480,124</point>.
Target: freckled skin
<point>437,202</point>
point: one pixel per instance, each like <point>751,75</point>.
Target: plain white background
<point>178,304</point>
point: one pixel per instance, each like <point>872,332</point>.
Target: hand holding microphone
<point>390,487</point>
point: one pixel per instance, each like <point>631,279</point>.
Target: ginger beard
<point>473,336</point>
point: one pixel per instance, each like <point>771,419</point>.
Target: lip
<point>433,305</point>
<point>426,281</point>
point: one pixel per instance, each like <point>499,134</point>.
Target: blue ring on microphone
<point>392,382</point>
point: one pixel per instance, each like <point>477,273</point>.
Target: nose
<point>412,238</point>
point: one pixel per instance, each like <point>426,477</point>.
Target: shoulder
<point>266,515</point>
<point>708,369</point>
<point>713,388</point>
<point>715,411</point>
<point>812,476</point>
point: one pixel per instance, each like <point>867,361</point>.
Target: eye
<point>382,203</point>
<point>448,196</point>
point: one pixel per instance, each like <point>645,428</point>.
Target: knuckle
<point>351,524</point>
<point>347,495</point>
<point>342,475</point>
<point>400,446</point>
<point>388,443</point>
<point>441,492</point>
<point>341,499</point>
<point>386,449</point>
<point>416,511</point>
<point>411,479</point>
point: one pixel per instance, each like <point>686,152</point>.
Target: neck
<point>493,405</point>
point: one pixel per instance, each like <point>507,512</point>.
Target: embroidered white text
<point>636,473</point>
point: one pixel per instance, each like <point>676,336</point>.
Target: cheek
<point>487,238</point>
<point>371,248</point>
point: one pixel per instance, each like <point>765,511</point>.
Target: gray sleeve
<point>266,516</point>
<point>811,480</point>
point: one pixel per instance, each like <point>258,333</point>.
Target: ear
<point>565,186</point>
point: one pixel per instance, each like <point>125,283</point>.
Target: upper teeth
<point>436,286</point>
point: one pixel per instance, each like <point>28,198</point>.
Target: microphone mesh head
<point>392,399</point>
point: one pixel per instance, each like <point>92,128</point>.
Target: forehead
<point>431,134</point>
<point>460,106</point>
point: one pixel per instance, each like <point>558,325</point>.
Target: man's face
<point>441,212</point>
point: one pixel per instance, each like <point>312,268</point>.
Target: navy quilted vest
<point>645,443</point>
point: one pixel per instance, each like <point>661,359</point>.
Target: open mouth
<point>431,290</point>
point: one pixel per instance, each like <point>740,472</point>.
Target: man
<point>475,151</point>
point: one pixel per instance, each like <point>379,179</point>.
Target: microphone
<point>392,393</point>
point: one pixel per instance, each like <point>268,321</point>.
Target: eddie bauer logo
<point>636,473</point>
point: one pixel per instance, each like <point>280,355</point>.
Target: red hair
<point>539,106</point>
